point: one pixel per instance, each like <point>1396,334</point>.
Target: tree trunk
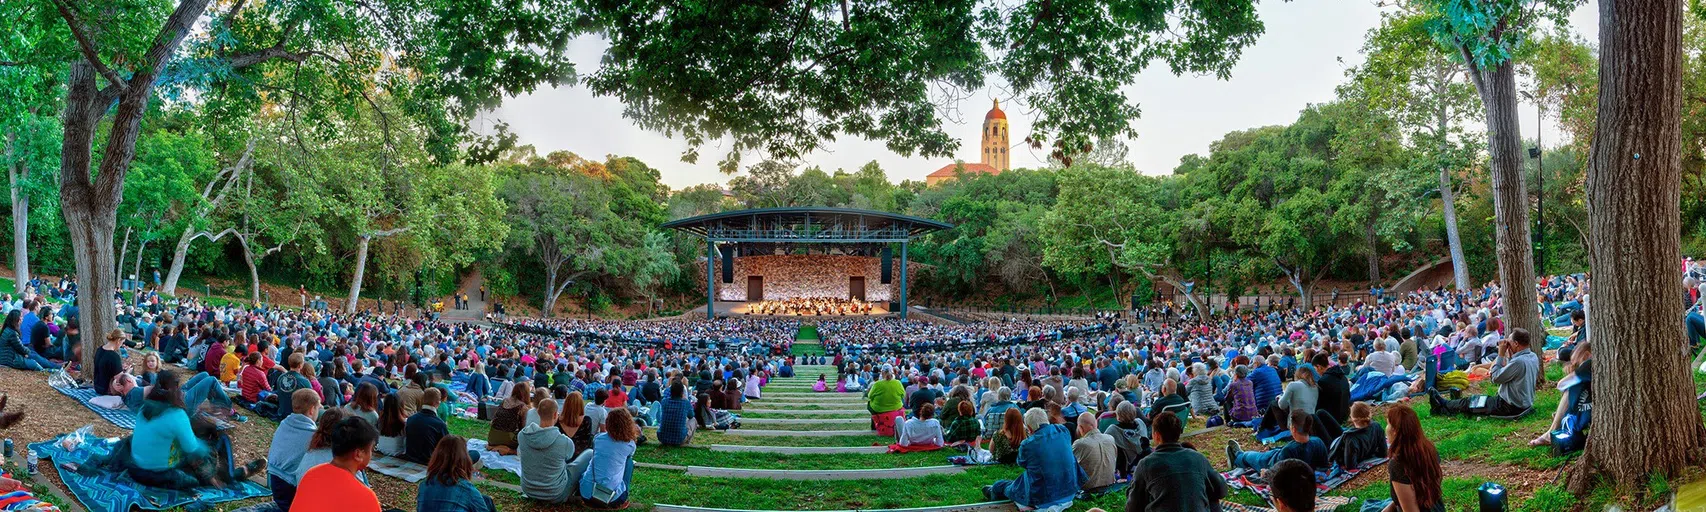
<point>124,252</point>
<point>1510,201</point>
<point>170,287</point>
<point>551,294</point>
<point>1448,203</point>
<point>20,219</point>
<point>254,275</point>
<point>1373,241</point>
<point>360,269</point>
<point>141,248</point>
<point>1644,421</point>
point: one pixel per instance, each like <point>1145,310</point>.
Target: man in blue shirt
<point>1264,382</point>
<point>1304,447</point>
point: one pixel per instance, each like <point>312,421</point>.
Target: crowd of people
<point>813,306</point>
<point>1110,400</point>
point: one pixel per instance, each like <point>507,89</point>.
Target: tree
<point>201,207</point>
<point>1644,422</point>
<point>657,266</point>
<point>559,216</point>
<point>1485,36</point>
<point>1106,219</point>
<point>445,72</point>
<point>785,78</point>
<point>1405,77</point>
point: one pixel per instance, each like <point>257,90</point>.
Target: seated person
<point>1004,443</point>
<point>392,425</point>
<point>1095,453</point>
<point>604,483</point>
<point>252,380</point>
<point>922,431</point>
<point>1170,401</point>
<point>108,363</point>
<point>1365,440</point>
<point>1578,394</point>
<point>1131,437</point>
<point>821,385</point>
<point>1052,476</point>
<point>1174,477</point>
<point>335,485</point>
<point>165,451</point>
<point>674,424</point>
<point>509,419</point>
<point>1303,446</point>
<point>1241,404</point>
<point>424,429</point>
<point>447,486</point>
<point>1514,371</point>
<point>289,442</point>
<point>885,400</point>
<point>965,428</point>
<point>548,462</point>
<point>1293,484</point>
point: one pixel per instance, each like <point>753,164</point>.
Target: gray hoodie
<point>545,454</point>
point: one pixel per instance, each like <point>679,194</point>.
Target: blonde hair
<point>1361,414</point>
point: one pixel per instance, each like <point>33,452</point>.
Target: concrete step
<point>810,412</point>
<point>747,432</point>
<point>799,450</point>
<point>994,506</point>
<point>805,421</point>
<point>823,474</point>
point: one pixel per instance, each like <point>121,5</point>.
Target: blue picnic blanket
<point>123,418</point>
<point>1371,387</point>
<point>105,491</point>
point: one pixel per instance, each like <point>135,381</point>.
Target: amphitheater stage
<point>742,309</point>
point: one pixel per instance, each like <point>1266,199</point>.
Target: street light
<point>1539,237</point>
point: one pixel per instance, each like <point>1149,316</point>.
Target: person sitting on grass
<point>964,428</point>
<point>675,426</point>
<point>1515,371</point>
<point>335,485</point>
<point>14,353</point>
<point>1174,477</point>
<point>822,383</point>
<point>1241,406</point>
<point>1292,482</point>
<point>1414,468</point>
<point>1131,437</point>
<point>1096,454</point>
<point>164,449</point>
<point>391,426</point>
<point>289,442</point>
<point>1303,447</point>
<point>1170,402</point>
<point>885,399</point>
<point>921,432</point>
<point>447,486</point>
<point>1577,397</point>
<point>1051,478</point>
<point>605,482</point>
<point>509,419</point>
<point>1004,445</point>
<point>548,462</point>
<point>1365,440</point>
<point>424,429</point>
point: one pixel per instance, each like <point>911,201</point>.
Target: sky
<point>1297,61</point>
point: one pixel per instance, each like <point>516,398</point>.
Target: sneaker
<point>1232,450</point>
<point>989,493</point>
<point>1437,402</point>
<point>254,467</point>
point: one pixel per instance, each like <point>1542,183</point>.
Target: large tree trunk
<point>1510,201</point>
<point>170,287</point>
<point>360,269</point>
<point>1373,240</point>
<point>1646,419</point>
<point>1448,204</point>
<point>551,294</point>
<point>20,218</point>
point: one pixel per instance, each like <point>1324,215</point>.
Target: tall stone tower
<point>995,138</point>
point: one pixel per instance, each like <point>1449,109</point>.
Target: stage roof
<point>807,225</point>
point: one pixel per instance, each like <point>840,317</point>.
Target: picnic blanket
<point>123,418</point>
<point>102,491</point>
<point>23,501</point>
<point>1322,504</point>
<point>1326,481</point>
<point>398,468</point>
<point>491,459</point>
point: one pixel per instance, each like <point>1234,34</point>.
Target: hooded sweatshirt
<point>545,454</point>
<point>289,442</point>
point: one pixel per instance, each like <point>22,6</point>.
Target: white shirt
<point>920,432</point>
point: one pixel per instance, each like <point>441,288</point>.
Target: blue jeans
<point>1256,461</point>
<point>1696,328</point>
<point>479,386</point>
<point>204,388</point>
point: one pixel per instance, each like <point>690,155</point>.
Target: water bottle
<point>33,460</point>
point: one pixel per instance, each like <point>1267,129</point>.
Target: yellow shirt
<point>228,367</point>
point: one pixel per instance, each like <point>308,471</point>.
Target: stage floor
<point>742,309</point>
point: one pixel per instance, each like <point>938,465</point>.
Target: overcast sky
<point>1301,57</point>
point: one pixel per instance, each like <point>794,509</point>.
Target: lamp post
<point>1539,187</point>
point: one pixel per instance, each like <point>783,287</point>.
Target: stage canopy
<point>768,227</point>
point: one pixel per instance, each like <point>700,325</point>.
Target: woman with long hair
<point>391,422</point>
<point>1005,445</point>
<point>573,422</point>
<point>611,470</point>
<point>447,486</point>
<point>509,419</point>
<point>365,404</point>
<point>165,450</point>
<point>13,353</point>
<point>1414,465</point>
